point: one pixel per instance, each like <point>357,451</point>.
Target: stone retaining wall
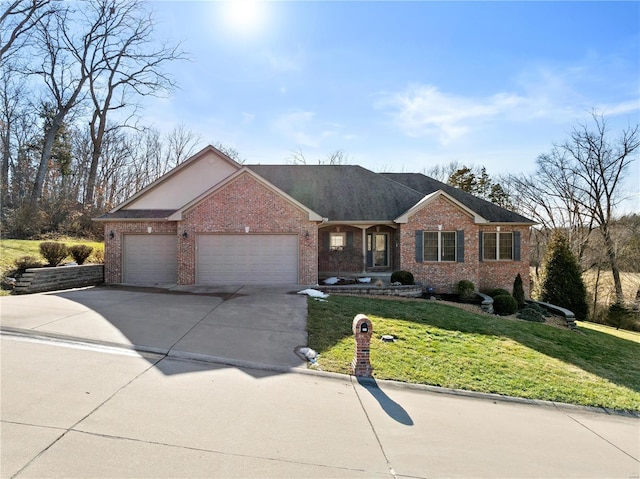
<point>37,280</point>
<point>568,316</point>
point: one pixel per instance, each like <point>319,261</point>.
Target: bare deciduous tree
<point>599,162</point>
<point>124,63</point>
<point>63,77</point>
<point>577,186</point>
<point>16,19</point>
<point>337,157</point>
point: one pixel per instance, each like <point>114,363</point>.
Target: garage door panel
<point>149,259</point>
<point>247,259</point>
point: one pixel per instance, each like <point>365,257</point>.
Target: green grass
<point>12,249</point>
<point>446,346</point>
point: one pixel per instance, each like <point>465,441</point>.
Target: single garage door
<point>247,259</point>
<point>149,259</point>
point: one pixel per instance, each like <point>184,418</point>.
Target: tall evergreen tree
<point>518,291</point>
<point>562,284</point>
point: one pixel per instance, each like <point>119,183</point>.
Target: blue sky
<point>400,86</point>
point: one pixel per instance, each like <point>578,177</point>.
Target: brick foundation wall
<point>246,202</point>
<point>113,246</point>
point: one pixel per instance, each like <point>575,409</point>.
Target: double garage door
<point>220,259</point>
<point>246,259</point>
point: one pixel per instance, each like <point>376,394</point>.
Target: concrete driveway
<point>250,326</point>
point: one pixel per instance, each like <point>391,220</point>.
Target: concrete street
<point>79,409</point>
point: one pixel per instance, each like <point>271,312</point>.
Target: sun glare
<point>244,16</point>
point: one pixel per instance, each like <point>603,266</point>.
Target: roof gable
<point>430,198</point>
<point>183,183</point>
<point>486,210</point>
<point>177,215</point>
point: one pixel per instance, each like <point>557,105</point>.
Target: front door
<point>377,250</point>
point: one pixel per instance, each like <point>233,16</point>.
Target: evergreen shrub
<point>504,305</point>
<point>618,315</point>
<point>531,314</point>
<point>539,309</point>
<point>562,283</point>
<point>403,277</point>
<point>518,291</point>
<point>498,292</point>
<point>465,289</point>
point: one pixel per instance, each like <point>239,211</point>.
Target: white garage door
<point>247,259</point>
<point>149,259</point>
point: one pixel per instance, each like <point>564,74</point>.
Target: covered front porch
<point>358,249</point>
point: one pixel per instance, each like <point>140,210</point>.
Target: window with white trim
<point>337,241</point>
<point>439,246</point>
<point>497,246</point>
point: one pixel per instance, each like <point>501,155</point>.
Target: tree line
<point>576,189</point>
<point>72,75</point>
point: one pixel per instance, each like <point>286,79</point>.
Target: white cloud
<point>541,94</point>
<point>423,110</point>
<point>302,128</point>
<point>294,125</point>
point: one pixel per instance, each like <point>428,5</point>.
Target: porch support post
<point>364,249</point>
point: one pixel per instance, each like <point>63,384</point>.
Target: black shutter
<point>460,246</point>
<point>349,239</point>
<point>480,246</point>
<point>516,246</point>
<point>419,247</point>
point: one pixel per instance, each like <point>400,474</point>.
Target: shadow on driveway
<point>242,326</point>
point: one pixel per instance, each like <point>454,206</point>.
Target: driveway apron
<point>245,325</point>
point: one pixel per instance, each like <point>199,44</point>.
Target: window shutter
<point>349,239</point>
<point>516,245</point>
<point>325,241</point>
<point>460,246</point>
<point>419,247</point>
<point>480,246</point>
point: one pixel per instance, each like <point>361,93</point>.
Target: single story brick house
<point>213,221</point>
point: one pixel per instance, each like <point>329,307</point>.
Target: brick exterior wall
<point>358,263</point>
<point>501,274</point>
<point>113,247</point>
<point>443,276</point>
<point>246,202</point>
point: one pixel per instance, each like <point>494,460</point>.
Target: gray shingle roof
<point>341,192</point>
<point>350,193</point>
<point>486,209</point>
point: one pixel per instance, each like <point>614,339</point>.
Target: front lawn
<point>446,346</point>
<point>12,249</point>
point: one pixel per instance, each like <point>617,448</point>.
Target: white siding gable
<point>185,184</point>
